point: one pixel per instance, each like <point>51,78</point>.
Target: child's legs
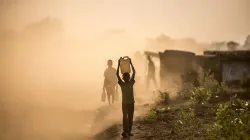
<point>130,115</point>
<point>108,98</point>
<point>125,118</point>
<point>110,92</point>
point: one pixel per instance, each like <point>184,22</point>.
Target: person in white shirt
<point>110,82</point>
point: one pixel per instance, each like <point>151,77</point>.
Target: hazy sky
<point>205,20</point>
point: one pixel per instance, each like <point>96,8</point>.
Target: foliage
<point>210,83</point>
<point>186,90</point>
<point>224,88</point>
<point>188,125</point>
<point>210,88</point>
<point>232,45</point>
<point>187,116</point>
<point>213,85</point>
<point>151,115</point>
<point>232,121</point>
<point>200,95</point>
<point>163,97</point>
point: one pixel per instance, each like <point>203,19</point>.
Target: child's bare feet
<point>130,134</point>
<point>124,134</point>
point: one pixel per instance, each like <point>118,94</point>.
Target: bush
<point>151,115</point>
<point>210,87</point>
<point>187,125</point>
<point>163,97</point>
<point>187,116</point>
<point>232,121</point>
<point>210,83</point>
<point>186,90</point>
<point>214,86</point>
<point>200,95</point>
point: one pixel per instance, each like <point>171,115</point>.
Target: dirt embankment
<point>178,120</point>
<point>175,121</point>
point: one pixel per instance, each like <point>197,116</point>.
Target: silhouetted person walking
<point>110,82</point>
<point>151,72</point>
<point>127,99</point>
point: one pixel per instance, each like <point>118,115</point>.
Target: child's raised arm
<point>133,69</point>
<point>117,71</point>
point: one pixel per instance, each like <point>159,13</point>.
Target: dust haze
<point>49,83</point>
<point>52,66</point>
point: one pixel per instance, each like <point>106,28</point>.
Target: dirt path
<point>141,130</point>
<point>64,124</point>
<point>113,131</point>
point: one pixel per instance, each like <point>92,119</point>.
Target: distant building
<point>228,66</point>
<point>247,43</point>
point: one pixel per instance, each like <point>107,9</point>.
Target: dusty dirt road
<point>141,130</point>
<point>54,123</point>
<point>114,129</point>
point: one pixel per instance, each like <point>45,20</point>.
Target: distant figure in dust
<point>110,82</point>
<point>127,99</point>
<point>151,72</point>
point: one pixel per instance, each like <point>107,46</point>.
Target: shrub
<point>186,90</point>
<point>209,87</point>
<point>200,95</point>
<point>224,87</point>
<point>163,97</point>
<point>188,125</point>
<point>151,115</point>
<point>214,86</point>
<point>210,83</point>
<point>187,116</point>
<point>232,121</point>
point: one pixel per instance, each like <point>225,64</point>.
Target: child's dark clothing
<point>128,114</point>
<point>127,104</point>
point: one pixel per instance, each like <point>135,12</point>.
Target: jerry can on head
<point>125,65</point>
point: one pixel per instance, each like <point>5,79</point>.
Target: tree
<point>232,45</point>
<point>247,43</point>
<point>219,45</point>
